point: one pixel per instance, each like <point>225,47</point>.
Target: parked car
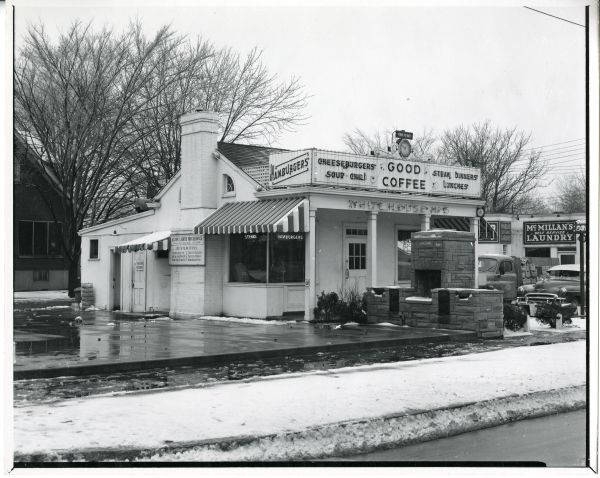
<point>506,273</point>
<point>561,284</point>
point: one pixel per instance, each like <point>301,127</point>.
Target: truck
<point>510,274</point>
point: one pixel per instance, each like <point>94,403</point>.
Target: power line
<point>554,16</point>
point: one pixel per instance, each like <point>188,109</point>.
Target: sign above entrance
<point>329,168</point>
<point>549,232</point>
<point>187,250</point>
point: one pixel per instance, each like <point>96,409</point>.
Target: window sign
<point>187,250</point>
<point>488,231</point>
<point>549,232</point>
<point>505,232</point>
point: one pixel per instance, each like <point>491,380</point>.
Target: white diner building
<point>260,232</point>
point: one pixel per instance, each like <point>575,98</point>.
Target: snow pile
<point>296,402</point>
<point>576,324</point>
<point>92,307</point>
<point>515,333</point>
<point>41,295</point>
<point>246,320</point>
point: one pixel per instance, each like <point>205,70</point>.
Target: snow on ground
<point>40,295</point>
<point>246,320</point>
<point>294,402</point>
<point>575,325</point>
<point>515,333</point>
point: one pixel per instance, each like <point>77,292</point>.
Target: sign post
<point>582,231</point>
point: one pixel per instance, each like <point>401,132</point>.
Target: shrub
<point>326,306</point>
<point>548,313</point>
<point>514,317</point>
<point>347,306</point>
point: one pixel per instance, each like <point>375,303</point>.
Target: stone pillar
<point>475,230</point>
<point>310,260</point>
<point>372,248</point>
<point>425,222</point>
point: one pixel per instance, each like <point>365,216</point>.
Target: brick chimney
<point>199,136</point>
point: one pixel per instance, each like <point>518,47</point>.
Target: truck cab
<point>506,273</point>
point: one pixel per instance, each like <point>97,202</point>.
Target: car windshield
<point>564,274</point>
<point>487,265</point>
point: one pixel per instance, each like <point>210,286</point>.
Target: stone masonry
<point>445,258</point>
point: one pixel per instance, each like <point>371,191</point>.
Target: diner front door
<point>355,263</point>
<point>139,282</point>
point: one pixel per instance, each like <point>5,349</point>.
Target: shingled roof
<point>253,160</point>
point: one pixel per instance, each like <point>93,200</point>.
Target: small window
<point>41,276</point>
<point>93,248</point>
<point>228,186</point>
<point>508,267</point>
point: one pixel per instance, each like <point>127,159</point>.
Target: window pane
<point>54,242</point>
<point>404,252</point>
<point>286,257</point>
<point>248,258</point>
<point>25,238</point>
<point>93,248</point>
<point>40,238</point>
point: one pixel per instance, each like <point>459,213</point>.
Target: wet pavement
<point>60,337</point>
<point>52,337</point>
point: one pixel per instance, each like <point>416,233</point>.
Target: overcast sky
<point>404,67</point>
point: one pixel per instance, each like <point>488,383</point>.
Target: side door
<point>355,258</point>
<point>138,298</point>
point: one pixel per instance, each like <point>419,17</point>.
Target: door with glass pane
<point>355,259</point>
<point>139,282</point>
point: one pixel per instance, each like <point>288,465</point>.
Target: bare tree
<point>510,172</point>
<point>99,111</point>
<point>360,142</point>
<point>571,193</point>
<point>254,105</point>
<point>75,101</point>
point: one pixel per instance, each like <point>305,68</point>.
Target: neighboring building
<point>545,240</point>
<point>260,232</point>
<point>37,260</point>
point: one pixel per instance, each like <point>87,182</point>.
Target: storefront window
<point>286,257</point>
<point>248,258</point>
<point>404,253</point>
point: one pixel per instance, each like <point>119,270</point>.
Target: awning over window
<point>451,222</point>
<point>269,215</point>
<point>157,241</point>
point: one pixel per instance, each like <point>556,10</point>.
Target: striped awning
<point>157,241</point>
<point>269,215</point>
<point>451,222</point>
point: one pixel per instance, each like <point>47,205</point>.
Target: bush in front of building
<point>549,312</point>
<point>326,308</point>
<point>514,317</point>
<point>347,306</point>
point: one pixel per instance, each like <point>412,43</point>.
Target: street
<point>556,440</point>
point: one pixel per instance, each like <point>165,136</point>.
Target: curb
<point>340,439</point>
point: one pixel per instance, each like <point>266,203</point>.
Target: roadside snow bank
<point>296,402</point>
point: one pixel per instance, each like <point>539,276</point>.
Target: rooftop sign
<point>328,168</point>
<point>549,232</point>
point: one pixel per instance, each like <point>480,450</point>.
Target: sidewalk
<point>239,412</point>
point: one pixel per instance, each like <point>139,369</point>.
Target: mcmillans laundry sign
<point>549,232</point>
<point>328,168</point>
